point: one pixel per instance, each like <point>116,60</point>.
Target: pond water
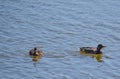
<point>59,28</point>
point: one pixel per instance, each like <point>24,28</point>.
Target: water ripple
<point>58,28</point>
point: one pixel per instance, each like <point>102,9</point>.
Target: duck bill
<point>104,46</point>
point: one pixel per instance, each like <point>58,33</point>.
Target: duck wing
<point>31,52</point>
<point>88,49</point>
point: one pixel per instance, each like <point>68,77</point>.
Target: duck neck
<point>35,51</point>
<point>98,50</point>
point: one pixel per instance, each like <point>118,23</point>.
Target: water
<point>59,28</point>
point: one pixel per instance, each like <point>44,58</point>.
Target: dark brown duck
<point>92,50</point>
<point>35,52</point>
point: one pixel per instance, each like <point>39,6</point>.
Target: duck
<point>35,52</point>
<point>92,50</point>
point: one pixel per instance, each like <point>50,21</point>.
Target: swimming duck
<point>35,52</point>
<point>92,50</point>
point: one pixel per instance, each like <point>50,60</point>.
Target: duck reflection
<point>98,57</point>
<point>35,58</point>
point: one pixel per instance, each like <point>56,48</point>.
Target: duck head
<point>100,46</point>
<point>35,51</point>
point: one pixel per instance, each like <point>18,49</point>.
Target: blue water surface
<point>59,28</point>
